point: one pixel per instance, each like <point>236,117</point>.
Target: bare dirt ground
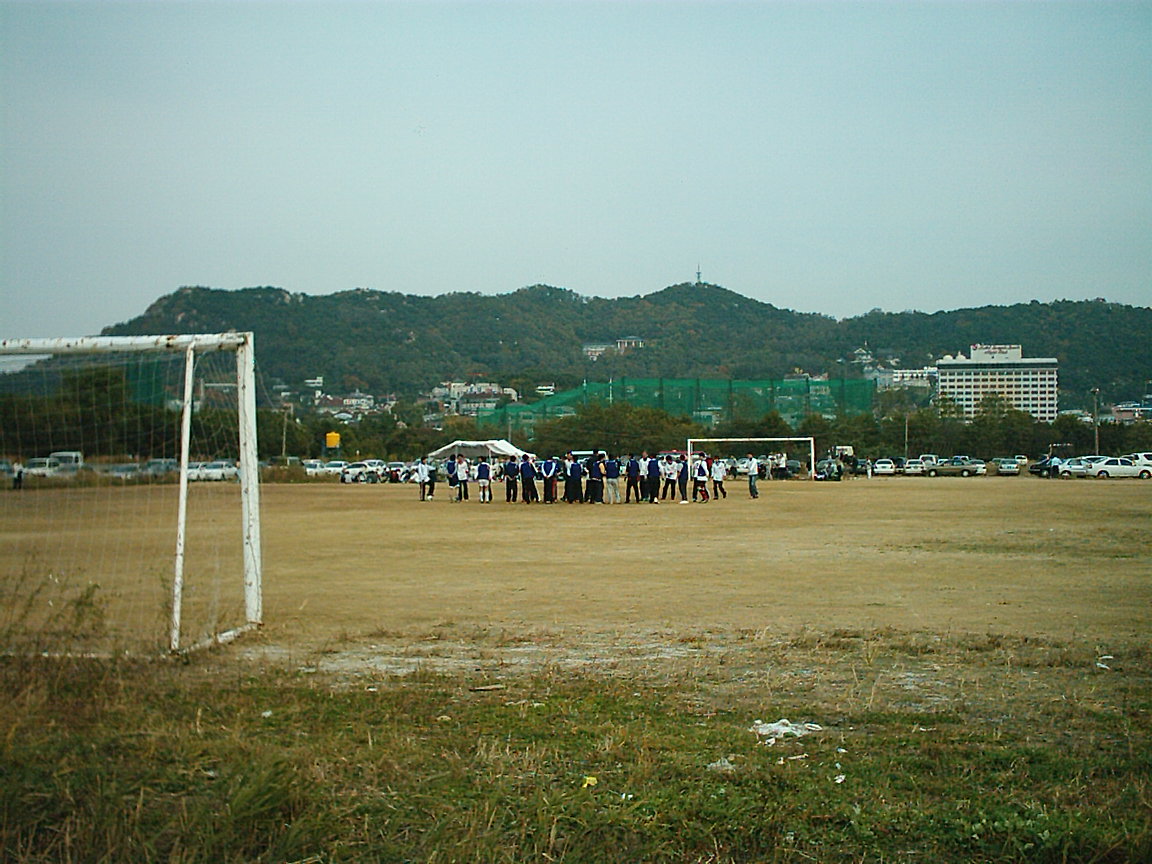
<point>374,576</point>
<point>369,577</point>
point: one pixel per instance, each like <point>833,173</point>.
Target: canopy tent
<point>494,448</point>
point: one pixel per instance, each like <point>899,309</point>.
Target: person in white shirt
<point>753,476</point>
<point>719,473</point>
<point>422,478</point>
<point>668,472</point>
<point>700,481</point>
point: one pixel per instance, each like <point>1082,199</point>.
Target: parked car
<point>359,472</point>
<point>7,469</point>
<point>1072,468</point>
<point>335,466</point>
<point>1117,466</point>
<point>914,467</point>
<point>42,466</point>
<point>1006,466</point>
<point>1142,459</point>
<point>160,467</point>
<point>1049,466</point>
<point>956,467</point>
<point>828,469</point>
<point>883,467</point>
<point>313,467</point>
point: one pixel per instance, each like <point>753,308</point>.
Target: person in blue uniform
<point>632,482</point>
<point>572,482</point>
<point>612,479</point>
<point>511,479</point>
<point>484,480</point>
<point>528,492</point>
<point>653,480</point>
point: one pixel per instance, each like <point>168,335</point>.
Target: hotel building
<point>1026,383</point>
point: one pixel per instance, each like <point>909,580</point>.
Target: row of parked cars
<point>1137,465</point>
<point>362,471</point>
<point>930,465</point>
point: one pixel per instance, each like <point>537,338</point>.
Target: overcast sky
<point>830,157</point>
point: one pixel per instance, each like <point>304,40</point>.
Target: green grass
<point>980,749</point>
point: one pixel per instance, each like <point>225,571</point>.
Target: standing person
<point>572,483</point>
<point>668,472</point>
<point>431,479</point>
<point>682,478</point>
<point>484,480</point>
<point>700,481</point>
<point>612,479</point>
<point>422,477</point>
<point>450,468</point>
<point>632,481</point>
<point>463,475</point>
<point>528,492</point>
<point>595,490</point>
<point>549,470</point>
<point>719,474</point>
<point>653,480</point>
<point>753,476</point>
<point>511,480</point>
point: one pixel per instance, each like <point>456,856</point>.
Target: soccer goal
<point>130,506</point>
<point>708,441</point>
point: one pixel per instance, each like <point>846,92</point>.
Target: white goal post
<point>811,447</point>
<point>192,346</point>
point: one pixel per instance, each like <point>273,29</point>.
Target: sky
<point>828,157</point>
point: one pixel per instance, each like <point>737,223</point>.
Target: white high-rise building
<point>1026,383</point>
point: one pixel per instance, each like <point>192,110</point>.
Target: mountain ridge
<point>387,341</point>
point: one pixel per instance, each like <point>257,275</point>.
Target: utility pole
<point>1096,420</point>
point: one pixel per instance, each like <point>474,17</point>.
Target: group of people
<point>595,479</point>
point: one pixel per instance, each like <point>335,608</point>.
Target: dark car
<point>1049,466</point>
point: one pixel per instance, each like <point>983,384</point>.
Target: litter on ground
<point>771,732</point>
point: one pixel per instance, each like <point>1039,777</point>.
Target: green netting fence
<point>708,401</point>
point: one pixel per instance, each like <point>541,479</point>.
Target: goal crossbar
<point>811,447</point>
<point>190,345</point>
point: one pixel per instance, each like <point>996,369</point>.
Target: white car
<point>1006,466</point>
<point>359,472</point>
<point>914,466</point>
<point>42,467</point>
<point>218,469</point>
<point>335,466</point>
<point>883,467</point>
<point>1117,466</point>
<point>1142,459</point>
<point>313,467</point>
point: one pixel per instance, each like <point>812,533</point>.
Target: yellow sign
<point>332,440</point>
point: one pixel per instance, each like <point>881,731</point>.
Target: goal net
<point>701,445</point>
<point>129,505</point>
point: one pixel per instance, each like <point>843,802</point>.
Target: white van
<point>68,461</point>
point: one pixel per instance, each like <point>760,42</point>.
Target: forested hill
<point>391,342</point>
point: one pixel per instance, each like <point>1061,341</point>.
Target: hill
<point>391,342</point>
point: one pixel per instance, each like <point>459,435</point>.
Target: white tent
<point>494,448</point>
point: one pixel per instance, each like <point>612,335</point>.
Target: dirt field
<point>1014,556</point>
<point>370,564</point>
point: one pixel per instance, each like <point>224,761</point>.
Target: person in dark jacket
<point>572,482</point>
<point>653,480</point>
<point>528,492</point>
<point>632,481</point>
<point>511,479</point>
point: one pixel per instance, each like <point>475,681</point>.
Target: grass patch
<point>955,754</point>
